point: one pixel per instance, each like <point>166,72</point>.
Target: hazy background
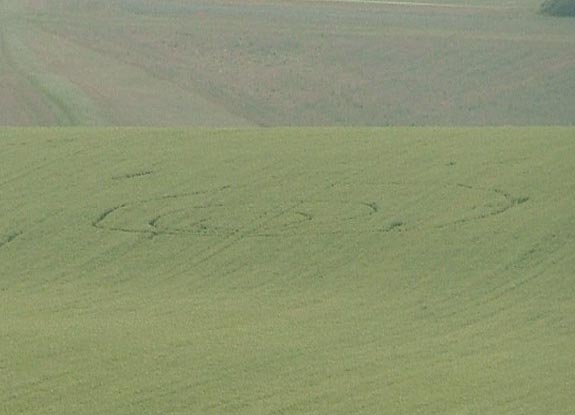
<point>275,63</point>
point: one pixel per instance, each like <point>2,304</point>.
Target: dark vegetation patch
<point>9,238</point>
<point>565,8</point>
<point>519,200</point>
<point>394,225</point>
<point>134,175</point>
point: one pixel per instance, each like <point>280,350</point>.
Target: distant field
<point>287,271</point>
<point>277,63</point>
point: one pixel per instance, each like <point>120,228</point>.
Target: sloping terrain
<point>50,80</point>
<point>278,63</point>
<point>288,271</point>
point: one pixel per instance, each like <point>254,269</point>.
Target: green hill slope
<point>287,271</point>
<point>48,79</point>
<point>278,63</point>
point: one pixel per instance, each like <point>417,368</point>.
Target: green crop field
<point>284,63</point>
<point>287,271</point>
<point>400,240</point>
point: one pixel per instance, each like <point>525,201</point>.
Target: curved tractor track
<point>41,102</point>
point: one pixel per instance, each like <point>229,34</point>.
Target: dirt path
<point>420,4</point>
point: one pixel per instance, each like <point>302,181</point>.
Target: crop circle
<point>345,209</point>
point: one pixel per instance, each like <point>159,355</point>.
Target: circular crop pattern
<point>342,209</point>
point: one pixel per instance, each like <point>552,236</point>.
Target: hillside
<point>284,63</point>
<point>291,271</point>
